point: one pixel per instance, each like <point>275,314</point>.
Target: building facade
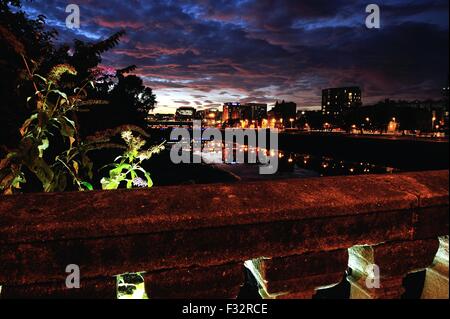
<point>337,100</point>
<point>185,114</point>
<point>284,111</point>
<point>250,114</point>
<point>231,111</point>
<point>209,117</point>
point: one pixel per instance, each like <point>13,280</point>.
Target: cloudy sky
<point>206,52</point>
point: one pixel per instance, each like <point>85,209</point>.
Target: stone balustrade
<point>295,236</point>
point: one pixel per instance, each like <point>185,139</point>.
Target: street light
<point>292,122</point>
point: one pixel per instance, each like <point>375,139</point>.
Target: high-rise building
<point>254,112</point>
<point>336,100</point>
<point>251,113</point>
<point>231,111</point>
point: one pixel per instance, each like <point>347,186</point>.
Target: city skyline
<point>205,53</point>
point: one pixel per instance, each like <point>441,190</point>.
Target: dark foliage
<point>125,99</point>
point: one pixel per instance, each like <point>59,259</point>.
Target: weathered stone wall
<point>193,241</point>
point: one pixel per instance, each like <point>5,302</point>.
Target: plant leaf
<point>76,167</point>
<point>109,184</point>
<point>26,124</point>
<point>88,186</point>
<point>149,180</point>
<point>62,94</point>
<point>41,77</point>
<point>43,147</point>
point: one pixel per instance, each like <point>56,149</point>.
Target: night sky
<point>206,52</point>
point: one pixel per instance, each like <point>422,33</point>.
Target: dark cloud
<point>182,102</point>
<point>207,106</point>
<point>266,49</point>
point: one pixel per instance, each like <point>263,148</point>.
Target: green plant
<point>131,286</point>
<point>52,121</point>
<point>127,168</point>
<point>51,150</point>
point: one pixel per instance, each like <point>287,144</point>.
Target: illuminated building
<point>209,117</point>
<point>254,113</point>
<point>231,111</point>
<point>185,114</point>
<point>160,117</point>
<point>336,100</point>
<point>250,114</point>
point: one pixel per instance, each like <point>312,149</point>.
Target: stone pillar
<point>298,276</point>
<point>215,282</point>
<point>436,280</point>
<point>377,272</point>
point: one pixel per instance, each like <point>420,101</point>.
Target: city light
<point>241,151</point>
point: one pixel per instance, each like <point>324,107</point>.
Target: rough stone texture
<point>431,222</point>
<point>110,233</point>
<point>299,276</point>
<point>436,281</point>
<point>32,262</point>
<point>41,217</point>
<point>98,288</point>
<point>395,260</point>
<point>391,288</point>
<point>219,282</point>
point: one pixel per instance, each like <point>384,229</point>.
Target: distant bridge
<point>168,124</point>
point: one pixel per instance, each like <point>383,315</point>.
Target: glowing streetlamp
<point>292,122</point>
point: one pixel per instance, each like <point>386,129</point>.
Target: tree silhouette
<point>19,37</point>
<point>126,99</point>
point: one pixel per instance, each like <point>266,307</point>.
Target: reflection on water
<point>330,167</point>
<point>296,164</point>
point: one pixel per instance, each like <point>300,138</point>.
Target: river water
<point>214,168</point>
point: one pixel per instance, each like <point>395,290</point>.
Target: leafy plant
<point>50,149</point>
<point>127,168</point>
<point>52,119</point>
<point>131,286</point>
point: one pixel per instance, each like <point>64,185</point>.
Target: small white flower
<point>139,182</point>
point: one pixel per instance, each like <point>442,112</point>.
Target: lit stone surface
<point>299,276</point>
<point>175,229</point>
<point>436,281</point>
<point>219,282</point>
<point>395,260</point>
